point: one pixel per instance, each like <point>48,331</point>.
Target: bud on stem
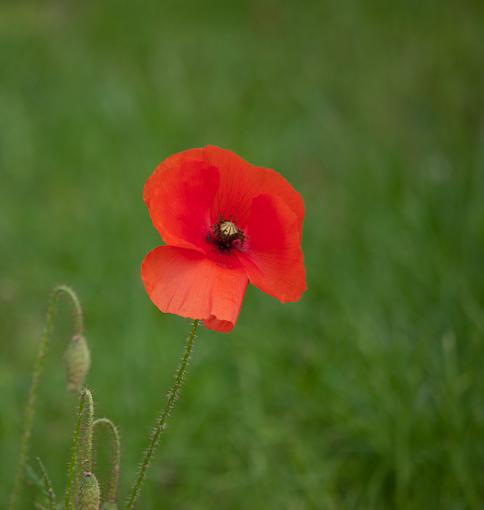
<point>89,493</point>
<point>77,361</point>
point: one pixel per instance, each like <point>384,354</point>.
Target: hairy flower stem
<point>49,490</point>
<point>112,489</point>
<point>160,426</point>
<point>36,376</point>
<point>81,449</point>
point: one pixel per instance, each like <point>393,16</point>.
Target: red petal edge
<point>274,260</point>
<point>179,197</point>
<point>186,283</point>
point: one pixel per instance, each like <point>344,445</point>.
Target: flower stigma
<point>228,229</point>
<point>226,235</point>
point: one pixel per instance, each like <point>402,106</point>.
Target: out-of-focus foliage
<point>369,392</point>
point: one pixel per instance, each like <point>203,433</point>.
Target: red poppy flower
<point>225,223</point>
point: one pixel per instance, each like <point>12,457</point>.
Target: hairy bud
<point>89,493</point>
<point>78,360</point>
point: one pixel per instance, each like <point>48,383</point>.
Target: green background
<point>369,392</point>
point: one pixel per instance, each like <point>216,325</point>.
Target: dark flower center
<point>226,235</point>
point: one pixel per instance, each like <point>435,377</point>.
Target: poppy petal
<point>186,283</point>
<point>241,181</point>
<point>273,258</point>
<point>179,196</point>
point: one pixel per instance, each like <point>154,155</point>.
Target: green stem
<point>36,376</point>
<point>116,457</point>
<point>83,428</point>
<point>160,426</point>
<point>85,447</point>
<point>47,485</point>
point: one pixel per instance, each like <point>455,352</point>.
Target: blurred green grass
<point>366,394</point>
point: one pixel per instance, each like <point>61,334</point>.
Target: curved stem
<point>36,376</point>
<point>116,457</point>
<point>173,395</point>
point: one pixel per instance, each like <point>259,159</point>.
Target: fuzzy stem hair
<point>81,450</point>
<point>112,488</point>
<point>49,490</point>
<point>160,425</point>
<point>36,376</point>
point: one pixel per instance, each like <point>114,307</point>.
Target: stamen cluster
<point>226,235</point>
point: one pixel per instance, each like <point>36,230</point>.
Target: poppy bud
<point>89,493</point>
<point>78,360</point>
